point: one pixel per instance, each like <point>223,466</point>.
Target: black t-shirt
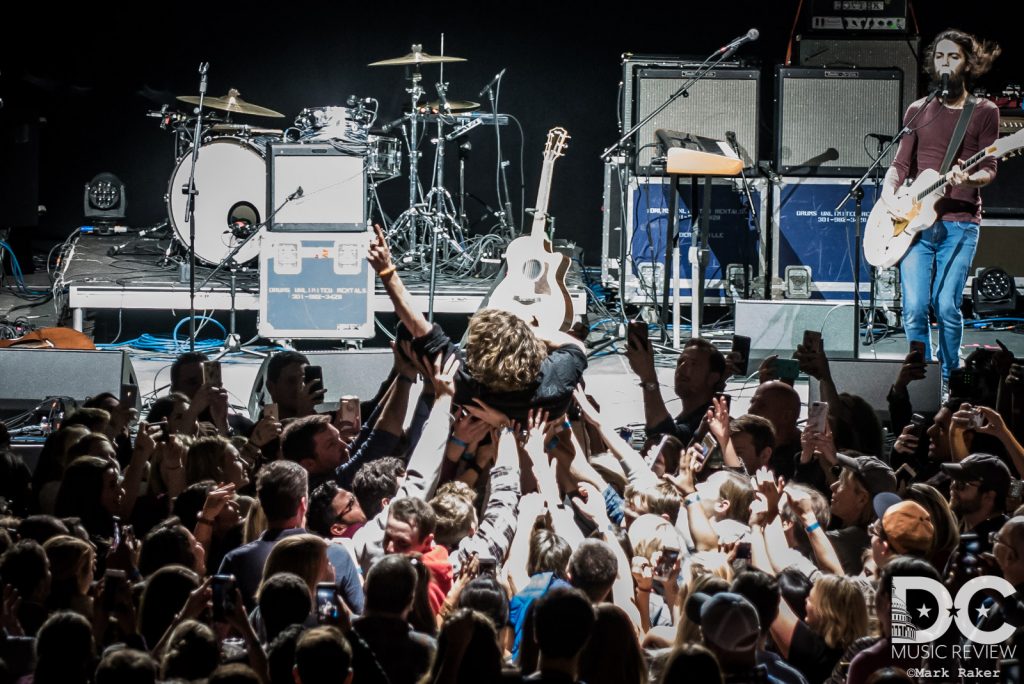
<point>682,426</point>
<point>809,653</point>
<point>552,391</point>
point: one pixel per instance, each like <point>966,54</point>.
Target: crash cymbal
<point>417,57</point>
<point>454,106</point>
<point>232,102</point>
<point>244,129</point>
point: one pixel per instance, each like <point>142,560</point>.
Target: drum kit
<point>231,167</point>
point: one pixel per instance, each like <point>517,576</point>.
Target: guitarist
<point>934,270</point>
<point>509,365</point>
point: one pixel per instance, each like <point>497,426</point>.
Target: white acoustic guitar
<point>887,239</point>
<point>534,284</point>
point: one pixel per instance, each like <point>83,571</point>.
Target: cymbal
<point>232,102</point>
<point>417,57</point>
<point>244,129</point>
<point>454,106</point>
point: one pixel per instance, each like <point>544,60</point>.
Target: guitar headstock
<point>558,140</point>
<point>1008,146</point>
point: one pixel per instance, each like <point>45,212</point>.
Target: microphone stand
<point>507,220</point>
<point>233,342</point>
<point>857,194</point>
<point>190,208</point>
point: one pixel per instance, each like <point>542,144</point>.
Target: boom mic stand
<point>857,194</point>
<point>233,342</point>
<point>190,208</point>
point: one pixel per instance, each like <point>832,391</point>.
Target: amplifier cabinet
<point>824,115</point>
<point>725,99</point>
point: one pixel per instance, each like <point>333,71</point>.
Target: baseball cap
<point>907,525</point>
<point>989,469</point>
<point>727,620</point>
<point>875,474</point>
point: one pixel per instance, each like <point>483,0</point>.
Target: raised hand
<point>640,355</point>
<point>590,504</point>
<point>908,441</point>
<point>216,500</point>
<point>443,374</point>
<point>718,419</point>
<point>913,368</point>
<point>489,415</point>
<point>767,372</point>
<point>265,431</point>
<point>379,254</point>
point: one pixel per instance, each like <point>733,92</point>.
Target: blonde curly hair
<point>502,352</point>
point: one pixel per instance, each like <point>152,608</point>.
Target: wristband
<point>552,444</point>
<point>468,456</point>
<point>406,378</point>
<point>386,272</point>
<point>458,442</point>
<point>691,499</point>
<point>813,526</point>
<point>204,521</point>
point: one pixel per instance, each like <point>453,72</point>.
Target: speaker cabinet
<point>871,380</point>
<point>726,99</point>
<point>778,327</point>
<point>866,52</point>
<point>354,371</point>
<point>27,376</point>
<point>824,115</point>
<point>333,185</point>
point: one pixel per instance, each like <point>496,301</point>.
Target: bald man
<point>1008,549</point>
<point>780,404</point>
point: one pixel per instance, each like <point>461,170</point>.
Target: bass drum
<point>231,177</point>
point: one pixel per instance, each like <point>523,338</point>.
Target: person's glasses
<point>993,538</point>
<point>961,485</point>
<point>876,529</point>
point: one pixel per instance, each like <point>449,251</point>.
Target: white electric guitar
<point>887,238</point>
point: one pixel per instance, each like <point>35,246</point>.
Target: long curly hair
<point>979,54</point>
<point>502,352</point>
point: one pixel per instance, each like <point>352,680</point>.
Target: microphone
<point>727,50</point>
<point>295,195</point>
<point>882,139</point>
<point>730,137</point>
<point>492,83</point>
<point>945,86</point>
<point>203,68</point>
<point>391,124</point>
<point>116,249</point>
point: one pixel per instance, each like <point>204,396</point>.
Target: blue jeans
<point>934,272</point>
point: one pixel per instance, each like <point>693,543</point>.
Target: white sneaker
<point>943,391</point>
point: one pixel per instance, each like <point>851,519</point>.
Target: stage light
<point>104,199</point>
<point>993,293</point>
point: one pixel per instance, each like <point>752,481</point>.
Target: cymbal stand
<point>190,210</point>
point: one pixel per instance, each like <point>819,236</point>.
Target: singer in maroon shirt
<point>934,270</point>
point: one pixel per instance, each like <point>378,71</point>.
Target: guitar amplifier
<point>824,115</point>
<point>726,99</point>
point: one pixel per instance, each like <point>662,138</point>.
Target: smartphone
<point>129,395</point>
<point>349,411</point>
<point>313,374</point>
<point>211,374</point>
<point>223,587</point>
<point>787,369</point>
<point>665,563</point>
<point>743,550</point>
<point>164,433</point>
<point>113,580</point>
<point>812,340</point>
<point>970,545</point>
<point>817,416</point>
<point>977,419</point>
<point>326,602</point>
<point>271,411</point>
<point>488,567</point>
<point>918,346</point>
<point>639,328</point>
<point>741,345</point>
<point>918,421</point>
<point>115,539</point>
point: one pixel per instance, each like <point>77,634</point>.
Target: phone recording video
<point>326,602</point>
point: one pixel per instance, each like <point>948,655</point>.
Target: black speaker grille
<point>725,100</point>
<point>824,115</point>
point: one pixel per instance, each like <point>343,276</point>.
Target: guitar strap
<point>958,133</point>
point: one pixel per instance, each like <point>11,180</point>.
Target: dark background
<point>82,68</point>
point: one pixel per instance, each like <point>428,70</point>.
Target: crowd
<point>485,521</point>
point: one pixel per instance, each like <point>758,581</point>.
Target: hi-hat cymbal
<point>417,57</point>
<point>232,102</point>
<point>454,106</point>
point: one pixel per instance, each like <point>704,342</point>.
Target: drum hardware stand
<point>233,343</point>
<point>190,213</point>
